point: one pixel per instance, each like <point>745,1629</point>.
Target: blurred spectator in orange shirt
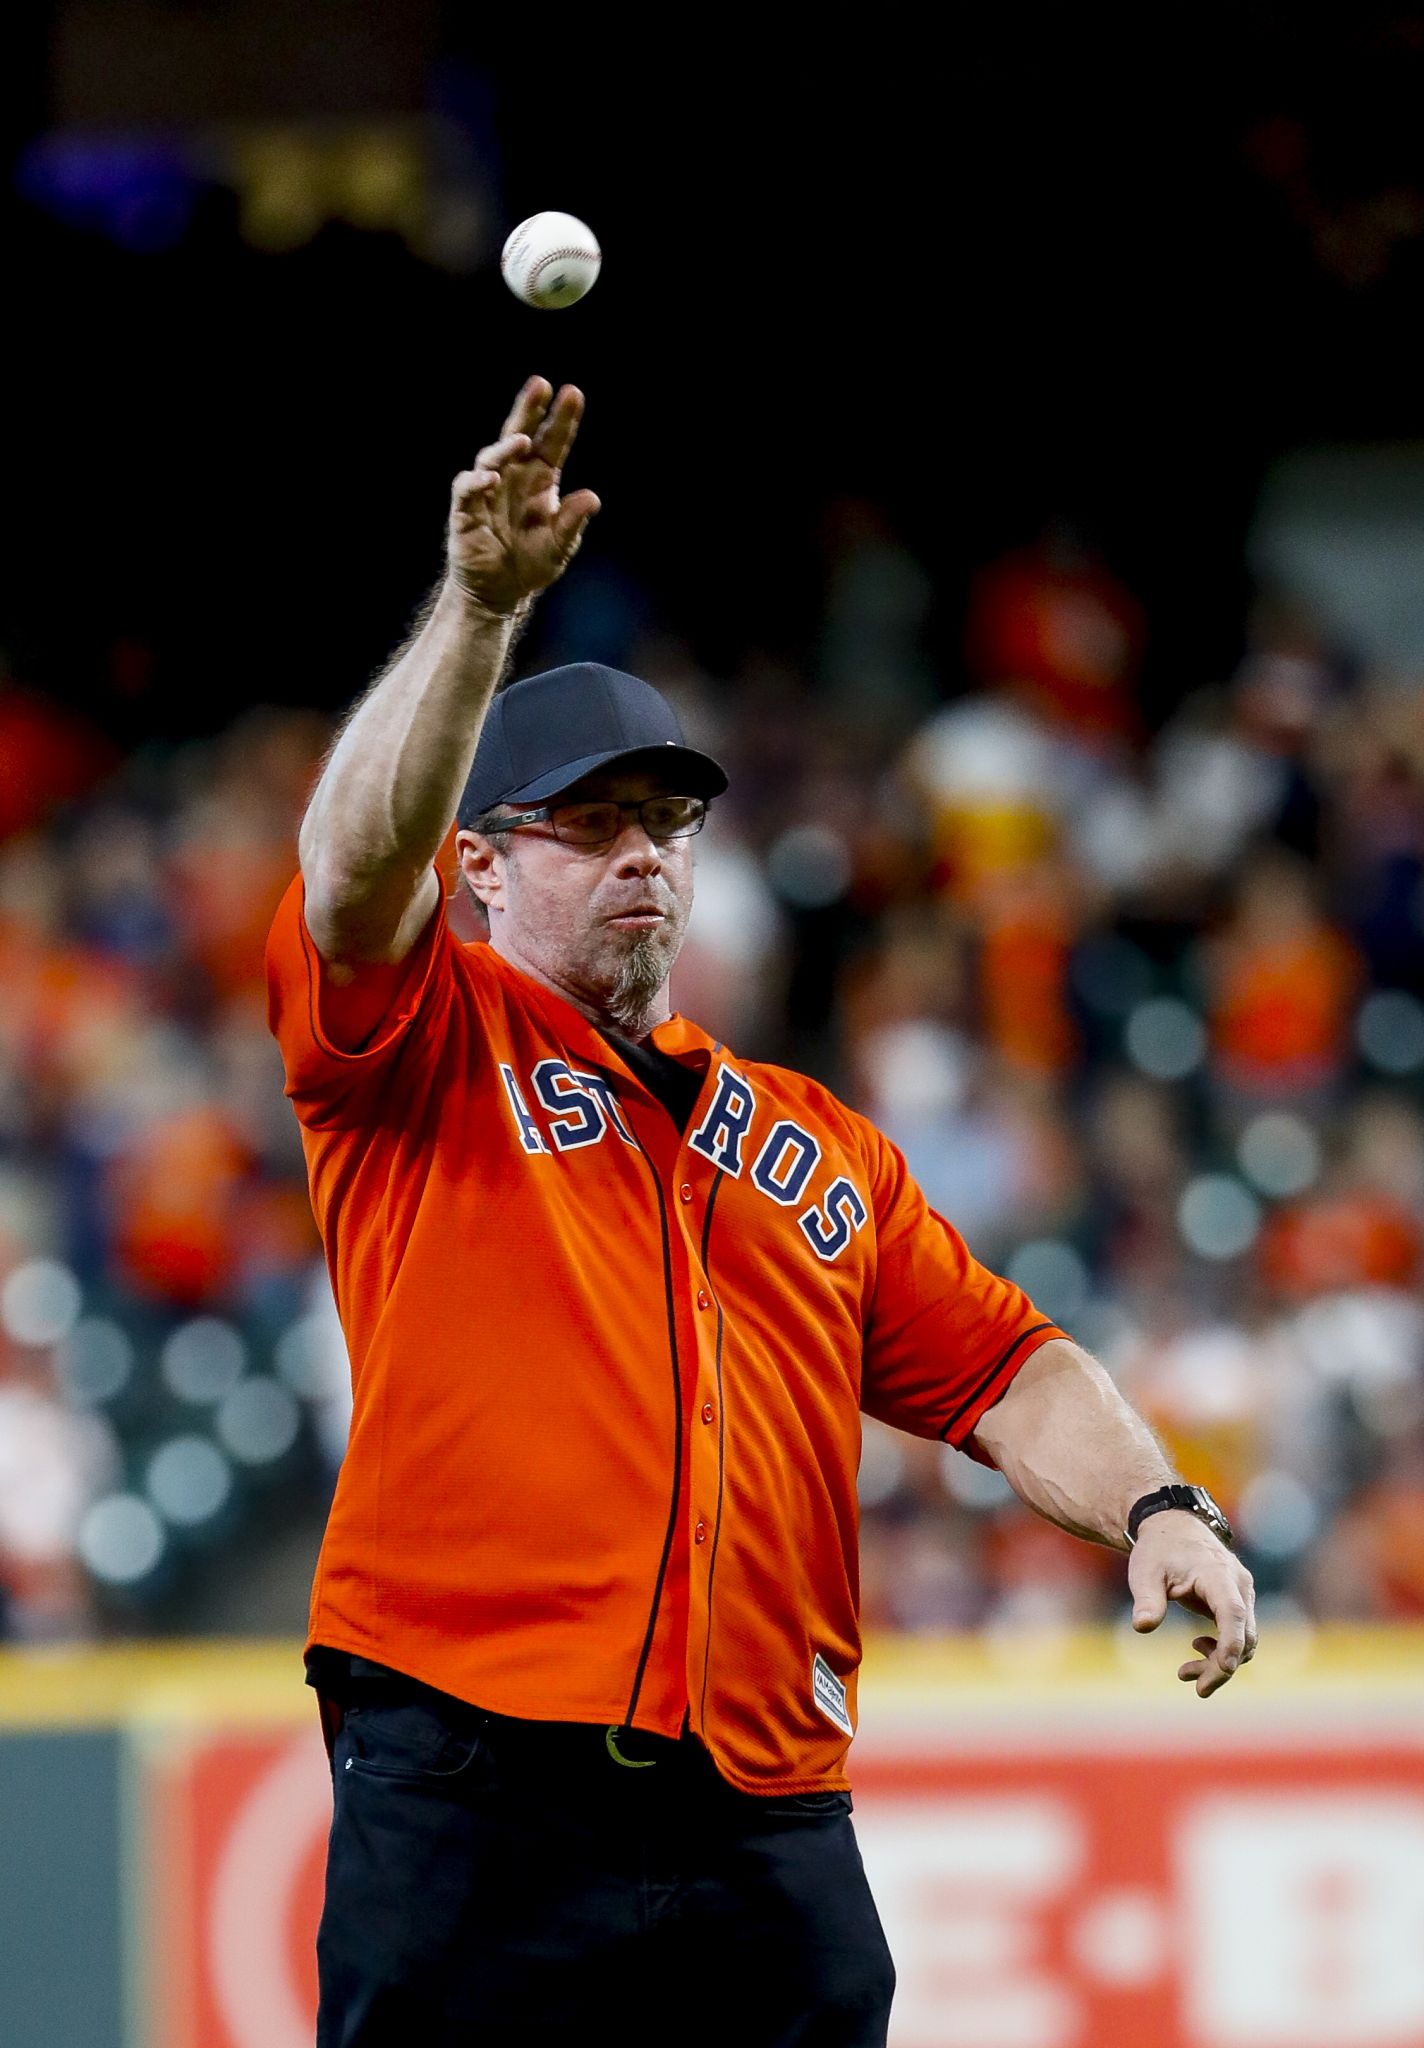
<point>176,1194</point>
<point>1356,1238</point>
<point>1373,1567</point>
<point>1365,1227</point>
<point>1282,986</point>
<point>1024,1013</point>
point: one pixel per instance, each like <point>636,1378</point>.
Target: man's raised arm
<point>391,784</point>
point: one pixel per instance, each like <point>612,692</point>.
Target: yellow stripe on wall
<point>98,1687</point>
<point>262,1682</point>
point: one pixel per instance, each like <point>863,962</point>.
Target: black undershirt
<point>676,1087</point>
<point>335,1673</point>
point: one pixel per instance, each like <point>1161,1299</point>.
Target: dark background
<point>1049,264</point>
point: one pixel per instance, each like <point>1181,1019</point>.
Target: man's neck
<point>586,1003</point>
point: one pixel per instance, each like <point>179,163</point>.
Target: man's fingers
<point>529,407</point>
<point>472,497</point>
<point>576,510</point>
<point>569,522</point>
<point>509,448</point>
<point>1206,1671</point>
<point>1149,1606</point>
<point>472,484</point>
<point>1231,1619</point>
<point>1176,1558</point>
<point>1233,1644</point>
<point>555,436</point>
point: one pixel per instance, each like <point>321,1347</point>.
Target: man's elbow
<point>364,920</point>
<point>1055,1368</point>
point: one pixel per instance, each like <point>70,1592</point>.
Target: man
<point>585,1619</point>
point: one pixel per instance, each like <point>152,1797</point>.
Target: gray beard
<point>645,968</point>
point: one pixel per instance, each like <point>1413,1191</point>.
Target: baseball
<point>550,260</point>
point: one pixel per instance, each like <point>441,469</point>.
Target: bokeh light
<point>297,1356</point>
<point>203,1359</point>
<point>121,1539</point>
<point>1218,1216</point>
<point>809,866</point>
<point>1390,1030</point>
<point>1279,1153</point>
<point>94,1362</point>
<point>258,1421</point>
<point>1053,1275</point>
<point>188,1480</point>
<point>1276,1514</point>
<point>40,1302</point>
<point>1165,1038</point>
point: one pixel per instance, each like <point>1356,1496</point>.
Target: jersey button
<point>700,1532</point>
<point>707,1411</point>
<point>704,1299</point>
<point>684,1193</point>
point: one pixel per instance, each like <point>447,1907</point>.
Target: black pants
<point>510,1884</point>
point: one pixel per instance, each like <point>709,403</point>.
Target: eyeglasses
<point>595,825</point>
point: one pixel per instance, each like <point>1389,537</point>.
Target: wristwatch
<point>1194,1499</point>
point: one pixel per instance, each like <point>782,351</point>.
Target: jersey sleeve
<point>336,1077</point>
<point>945,1336</point>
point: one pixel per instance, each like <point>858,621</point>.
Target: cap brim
<point>695,774</point>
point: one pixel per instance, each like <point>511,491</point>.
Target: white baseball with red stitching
<point>550,260</point>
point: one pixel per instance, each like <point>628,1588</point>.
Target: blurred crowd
<point>1141,1006</point>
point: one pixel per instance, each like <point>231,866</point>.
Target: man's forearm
<point>1071,1447</point>
<point>391,784</point>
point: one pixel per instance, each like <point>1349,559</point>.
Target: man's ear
<point>482,868</point>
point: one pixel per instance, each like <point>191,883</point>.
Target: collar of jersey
<point>677,1036</point>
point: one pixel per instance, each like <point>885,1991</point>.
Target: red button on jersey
<point>704,1299</point>
<point>707,1411</point>
<point>685,1192</point>
<point>701,1532</point>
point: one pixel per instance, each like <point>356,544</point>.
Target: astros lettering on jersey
<point>607,1377</point>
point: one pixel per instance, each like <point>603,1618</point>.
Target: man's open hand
<point>510,534</point>
<point>1176,1557</point>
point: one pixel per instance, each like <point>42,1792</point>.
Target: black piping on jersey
<point>721,1449</point>
<point>988,1380</point>
<point>676,1442</point>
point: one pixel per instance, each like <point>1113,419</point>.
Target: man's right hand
<point>510,534</point>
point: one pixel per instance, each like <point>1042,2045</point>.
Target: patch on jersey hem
<point>829,1694</point>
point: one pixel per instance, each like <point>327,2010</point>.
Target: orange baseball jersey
<point>607,1376</point>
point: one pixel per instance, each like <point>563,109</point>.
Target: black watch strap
<point>1193,1500</point>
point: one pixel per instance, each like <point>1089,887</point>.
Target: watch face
<point>1210,1511</point>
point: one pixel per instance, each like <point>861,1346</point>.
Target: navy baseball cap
<point>544,733</point>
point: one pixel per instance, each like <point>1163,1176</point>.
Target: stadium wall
<point>1066,1847</point>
